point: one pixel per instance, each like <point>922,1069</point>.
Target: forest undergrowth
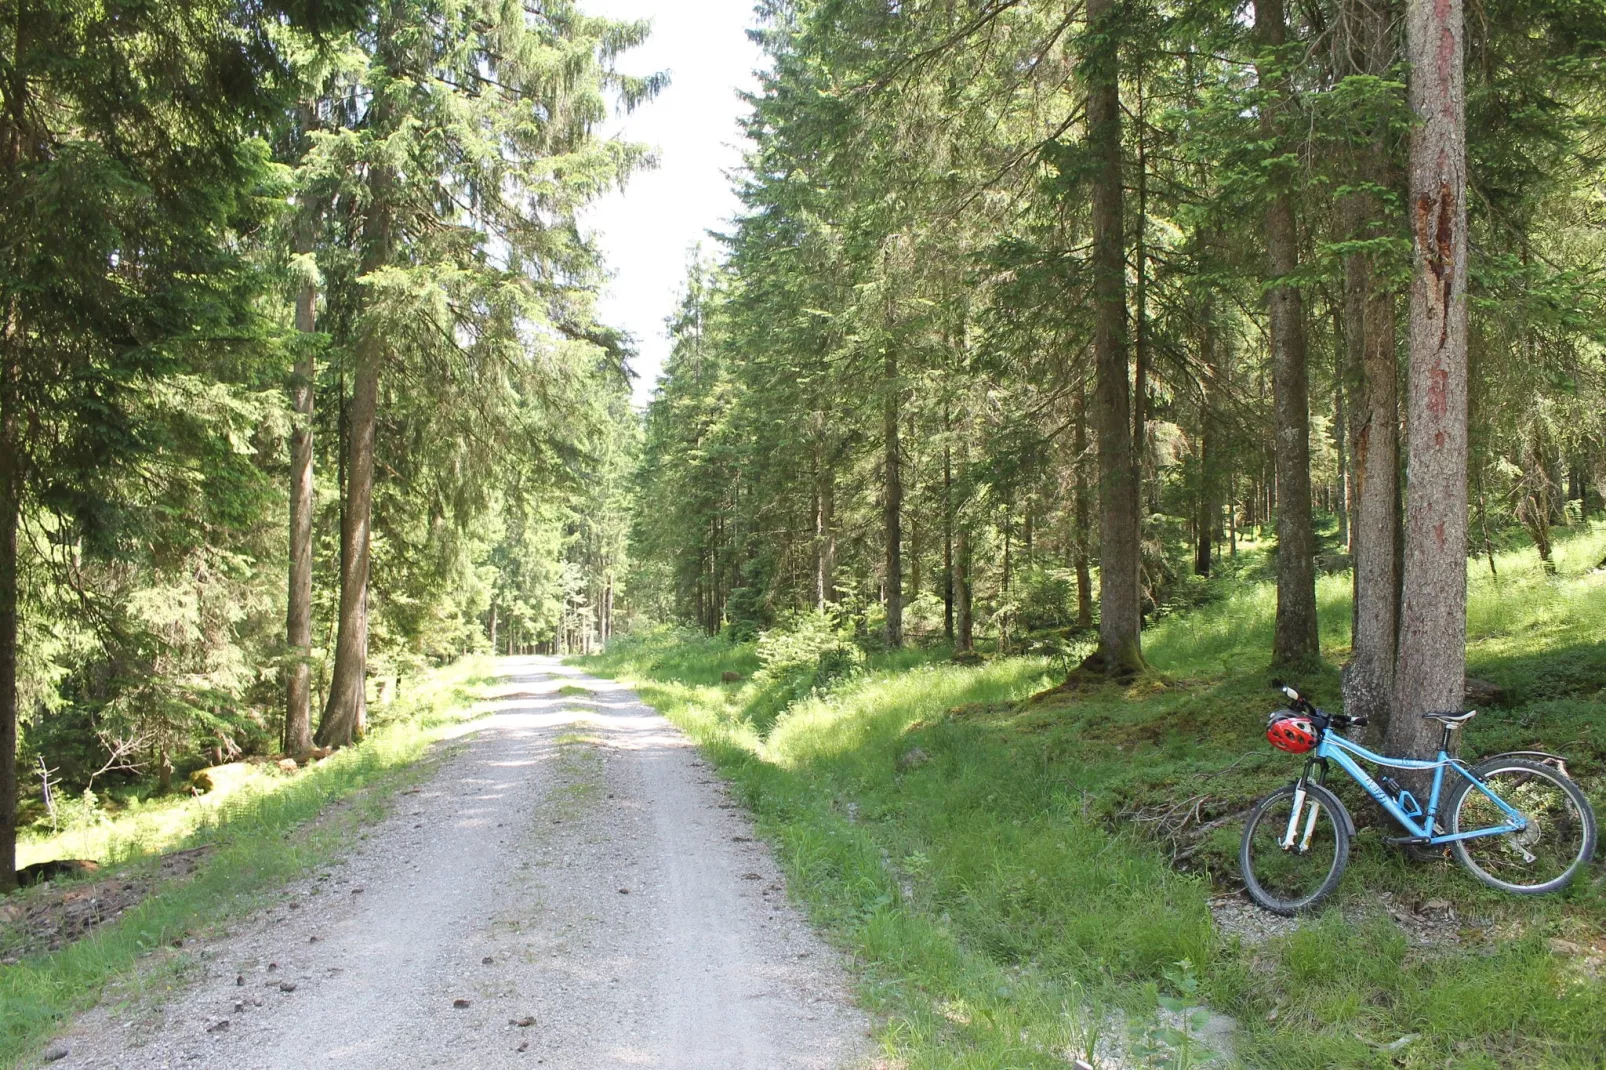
<point>265,829</point>
<point>1019,878</point>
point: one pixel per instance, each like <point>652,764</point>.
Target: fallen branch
<point>121,758</point>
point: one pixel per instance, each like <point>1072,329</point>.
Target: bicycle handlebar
<point>1305,705</point>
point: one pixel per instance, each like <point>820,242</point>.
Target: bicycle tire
<point>1493,767</point>
<point>1341,824</point>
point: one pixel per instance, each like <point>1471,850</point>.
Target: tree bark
<point>1209,503</point>
<point>965,625</point>
<point>964,618</point>
<point>10,518</point>
<point>345,712</point>
<point>947,534</point>
<point>826,522</point>
<point>1120,600</point>
<point>1079,512</point>
<point>893,502</point>
<point>1431,672</point>
<point>298,616</point>
<point>1375,534</point>
<point>1534,506</point>
<point>1366,48</point>
<point>11,480</point>
<point>1140,318</point>
<point>820,580</point>
<point>1341,440</point>
<point>1296,640</point>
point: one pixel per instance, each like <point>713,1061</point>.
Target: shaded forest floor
<point>175,868</point>
<point>1019,879</point>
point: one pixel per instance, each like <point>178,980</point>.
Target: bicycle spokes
<point>1291,850</point>
<point>1536,855</point>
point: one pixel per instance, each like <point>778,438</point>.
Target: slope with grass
<point>267,829</point>
<point>1018,879</point>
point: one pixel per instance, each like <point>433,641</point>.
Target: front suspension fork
<point>1298,811</point>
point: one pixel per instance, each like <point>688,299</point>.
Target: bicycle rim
<point>1288,881</point>
<point>1541,858</point>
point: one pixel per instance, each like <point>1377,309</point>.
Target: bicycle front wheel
<point>1292,859</point>
<point>1544,857</point>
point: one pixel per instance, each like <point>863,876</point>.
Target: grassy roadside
<point>1003,872</point>
<point>267,831</point>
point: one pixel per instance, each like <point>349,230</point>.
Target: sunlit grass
<point>158,825</point>
<point>984,859</point>
<point>261,835</point>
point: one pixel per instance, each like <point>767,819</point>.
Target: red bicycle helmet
<point>1290,732</point>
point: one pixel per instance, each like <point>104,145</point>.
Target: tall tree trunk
<point>1081,533</point>
<point>1534,506</point>
<point>1375,534</point>
<point>1120,600</point>
<point>298,615</point>
<point>1433,609</point>
<point>965,624</point>
<point>947,533</point>
<point>12,337</point>
<point>1140,258</point>
<point>821,580</point>
<point>1366,47</point>
<point>1209,504</point>
<point>10,518</point>
<point>345,712</point>
<point>1296,640</point>
<point>1341,436</point>
<point>911,589</point>
<point>893,502</point>
<point>827,522</point>
<point>964,617</point>
<point>1003,594</point>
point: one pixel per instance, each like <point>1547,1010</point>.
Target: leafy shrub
<point>808,652</point>
<point>923,617</point>
<point>744,614</point>
<point>77,812</point>
<point>1047,599</point>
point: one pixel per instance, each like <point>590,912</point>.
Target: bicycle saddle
<point>1451,718</point>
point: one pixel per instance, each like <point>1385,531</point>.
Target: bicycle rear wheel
<point>1544,857</point>
<point>1294,879</point>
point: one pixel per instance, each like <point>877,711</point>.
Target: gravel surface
<point>573,890</point>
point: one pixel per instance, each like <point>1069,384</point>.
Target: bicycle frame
<point>1342,752</point>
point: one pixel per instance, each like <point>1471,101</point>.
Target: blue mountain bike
<point>1515,821</point>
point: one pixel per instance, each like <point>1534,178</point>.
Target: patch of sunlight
<point>440,706</point>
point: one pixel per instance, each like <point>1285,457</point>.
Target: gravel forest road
<point>571,890</point>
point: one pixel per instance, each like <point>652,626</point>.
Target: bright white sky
<point>648,233</point>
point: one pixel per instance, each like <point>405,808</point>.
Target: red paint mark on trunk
<point>1438,392</point>
<point>1438,533</point>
